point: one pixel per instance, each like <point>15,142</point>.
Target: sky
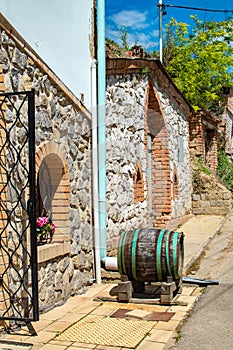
<point>140,18</point>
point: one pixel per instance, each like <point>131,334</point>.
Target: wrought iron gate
<point>18,241</point>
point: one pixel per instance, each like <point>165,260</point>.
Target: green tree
<point>201,60</point>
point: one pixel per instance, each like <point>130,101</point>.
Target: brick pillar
<point>161,181</point>
<point>197,139</point>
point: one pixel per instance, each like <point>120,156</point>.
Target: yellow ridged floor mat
<point>107,331</point>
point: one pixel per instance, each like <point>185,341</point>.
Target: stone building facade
<point>204,138</point>
<point>63,154</point>
<point>149,180</point>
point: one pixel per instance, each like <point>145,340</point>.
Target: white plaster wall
<point>59,31</point>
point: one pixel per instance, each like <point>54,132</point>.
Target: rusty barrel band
<point>134,253</point>
<point>174,256</point>
<point>158,255</point>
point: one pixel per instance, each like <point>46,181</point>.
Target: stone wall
<point>60,118</point>
<point>177,124</point>
<point>130,102</point>
<point>212,203</point>
<point>227,129</point>
<point>126,96</point>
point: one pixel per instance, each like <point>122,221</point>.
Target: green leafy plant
<point>45,228</point>
<point>200,165</point>
<point>123,34</point>
<point>200,61</point>
<point>225,169</point>
<point>178,335</point>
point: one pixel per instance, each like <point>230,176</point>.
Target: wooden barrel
<point>151,255</point>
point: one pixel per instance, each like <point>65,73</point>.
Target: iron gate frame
<point>31,204</point>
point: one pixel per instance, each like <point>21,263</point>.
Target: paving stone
<point>53,347</point>
<point>140,314</point>
<point>176,308</point>
<point>148,345</point>
<point>77,348</point>
<point>64,343</point>
<point>52,315</point>
<point>84,308</point>
<point>160,316</point>
<point>38,326</point>
<point>189,299</point>
<point>161,336</point>
<point>167,326</point>
<point>57,326</point>
<point>187,290</point>
<point>36,346</point>
<point>42,337</point>
<point>104,347</point>
<point>72,317</point>
<point>197,292</point>
<point>84,345</point>
<point>180,315</point>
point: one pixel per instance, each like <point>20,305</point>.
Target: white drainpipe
<point>95,171</point>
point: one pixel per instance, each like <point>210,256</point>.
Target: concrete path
<point>210,324</point>
<point>83,323</point>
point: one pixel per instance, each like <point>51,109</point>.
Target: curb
<point>205,245</point>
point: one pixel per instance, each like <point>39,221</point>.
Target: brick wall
<point>160,175</point>
<point>138,184</point>
<point>203,128</point>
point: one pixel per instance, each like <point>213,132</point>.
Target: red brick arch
<point>160,172</point>
<point>138,184</point>
<point>53,187</point>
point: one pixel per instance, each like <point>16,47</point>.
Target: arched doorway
<point>53,189</point>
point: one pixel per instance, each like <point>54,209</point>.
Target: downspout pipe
<point>101,59</point>
<point>95,171</point>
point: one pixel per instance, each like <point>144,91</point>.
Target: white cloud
<point>112,33</point>
<point>134,19</point>
<point>155,33</point>
<point>146,40</point>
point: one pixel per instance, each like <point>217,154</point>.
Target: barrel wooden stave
<point>151,255</point>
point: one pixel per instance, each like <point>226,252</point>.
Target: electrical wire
<point>196,8</point>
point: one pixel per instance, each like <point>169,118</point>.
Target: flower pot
<point>45,238</point>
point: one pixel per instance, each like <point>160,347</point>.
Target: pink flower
<point>53,227</point>
<point>41,221</point>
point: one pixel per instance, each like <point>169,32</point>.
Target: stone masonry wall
<point>61,118</point>
<point>127,87</point>
<point>176,116</point>
<point>219,203</point>
<point>228,128</point>
<point>125,149</point>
